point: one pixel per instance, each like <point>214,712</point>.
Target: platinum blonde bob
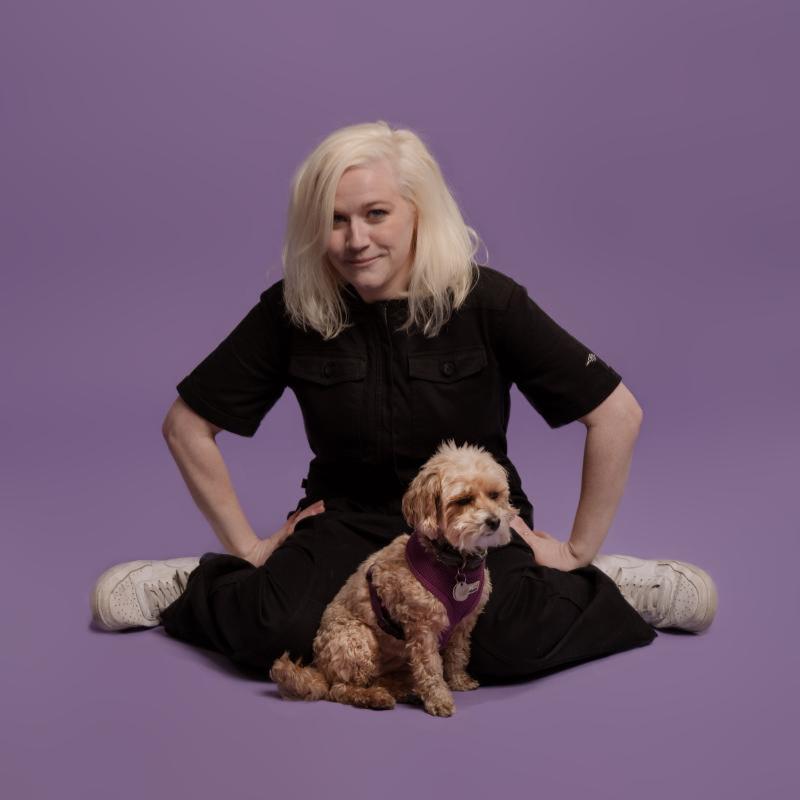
<point>443,248</point>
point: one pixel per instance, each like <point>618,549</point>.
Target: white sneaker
<point>668,594</point>
<point>133,594</point>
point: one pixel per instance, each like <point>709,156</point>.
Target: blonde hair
<point>443,269</point>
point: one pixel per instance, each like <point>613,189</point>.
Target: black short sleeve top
<point>377,401</point>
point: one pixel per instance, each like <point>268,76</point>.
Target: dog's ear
<point>422,502</point>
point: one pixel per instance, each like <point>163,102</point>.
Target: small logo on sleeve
<point>590,358</point>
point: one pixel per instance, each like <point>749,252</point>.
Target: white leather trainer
<point>667,594</point>
<point>133,594</point>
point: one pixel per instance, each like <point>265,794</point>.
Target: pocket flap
<point>327,370</point>
<point>446,367</point>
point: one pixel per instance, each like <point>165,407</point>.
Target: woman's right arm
<point>235,385</point>
<point>191,440</point>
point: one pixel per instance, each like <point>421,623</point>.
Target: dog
<point>399,629</point>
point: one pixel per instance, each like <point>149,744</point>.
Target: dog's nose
<point>493,522</point>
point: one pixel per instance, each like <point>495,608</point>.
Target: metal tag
<point>462,590</point>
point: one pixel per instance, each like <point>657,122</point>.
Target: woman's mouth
<point>364,262</point>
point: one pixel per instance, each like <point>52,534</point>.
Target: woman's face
<point>372,233</point>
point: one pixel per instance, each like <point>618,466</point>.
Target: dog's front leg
<point>426,670</point>
<point>456,656</point>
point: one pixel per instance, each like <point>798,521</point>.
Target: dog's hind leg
<point>346,651</point>
<point>362,696</point>
<point>296,682</point>
<point>399,685</point>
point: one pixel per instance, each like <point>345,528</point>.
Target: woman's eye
<point>381,211</point>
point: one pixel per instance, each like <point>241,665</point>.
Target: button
<point>448,368</point>
<point>327,369</point>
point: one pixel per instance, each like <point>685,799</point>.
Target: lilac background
<point>634,163</point>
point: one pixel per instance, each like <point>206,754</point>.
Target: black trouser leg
<point>537,619</point>
<point>252,614</point>
<point>540,619</point>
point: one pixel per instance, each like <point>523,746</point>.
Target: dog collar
<point>446,554</point>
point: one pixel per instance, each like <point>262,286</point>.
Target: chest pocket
<point>447,367</point>
<point>330,391</point>
<point>453,394</point>
<point>326,370</point>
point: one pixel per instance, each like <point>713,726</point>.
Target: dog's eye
<point>464,501</point>
<point>494,495</point>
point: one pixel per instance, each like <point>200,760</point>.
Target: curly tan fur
<point>461,493</point>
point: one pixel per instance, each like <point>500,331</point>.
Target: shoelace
<point>162,593</point>
<point>651,600</point>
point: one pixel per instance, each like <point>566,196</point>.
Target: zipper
<point>389,382</point>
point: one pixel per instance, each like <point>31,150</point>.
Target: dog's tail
<point>296,682</point>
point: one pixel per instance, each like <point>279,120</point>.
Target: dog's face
<point>461,493</point>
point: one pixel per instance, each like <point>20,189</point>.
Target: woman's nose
<point>358,235</point>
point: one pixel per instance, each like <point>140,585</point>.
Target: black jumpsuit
<point>376,403</point>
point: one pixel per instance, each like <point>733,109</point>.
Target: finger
<point>527,538</point>
<point>314,508</point>
<point>518,524</point>
<point>291,521</point>
<point>311,511</point>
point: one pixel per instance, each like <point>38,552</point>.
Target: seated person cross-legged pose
<point>394,339</point>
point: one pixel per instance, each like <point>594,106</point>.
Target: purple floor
<point>634,164</point>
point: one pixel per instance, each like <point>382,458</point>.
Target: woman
<point>393,339</point>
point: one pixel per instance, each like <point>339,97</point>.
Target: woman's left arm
<point>611,432</point>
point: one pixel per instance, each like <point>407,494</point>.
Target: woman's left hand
<point>547,550</point>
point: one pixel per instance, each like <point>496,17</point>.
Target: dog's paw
<point>461,682</point>
<point>440,705</point>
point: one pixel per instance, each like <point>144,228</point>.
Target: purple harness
<point>458,586</point>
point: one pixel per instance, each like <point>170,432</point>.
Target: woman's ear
<point>422,502</point>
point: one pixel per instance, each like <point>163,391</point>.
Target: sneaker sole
<point>101,612</point>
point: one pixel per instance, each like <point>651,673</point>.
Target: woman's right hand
<point>263,548</point>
